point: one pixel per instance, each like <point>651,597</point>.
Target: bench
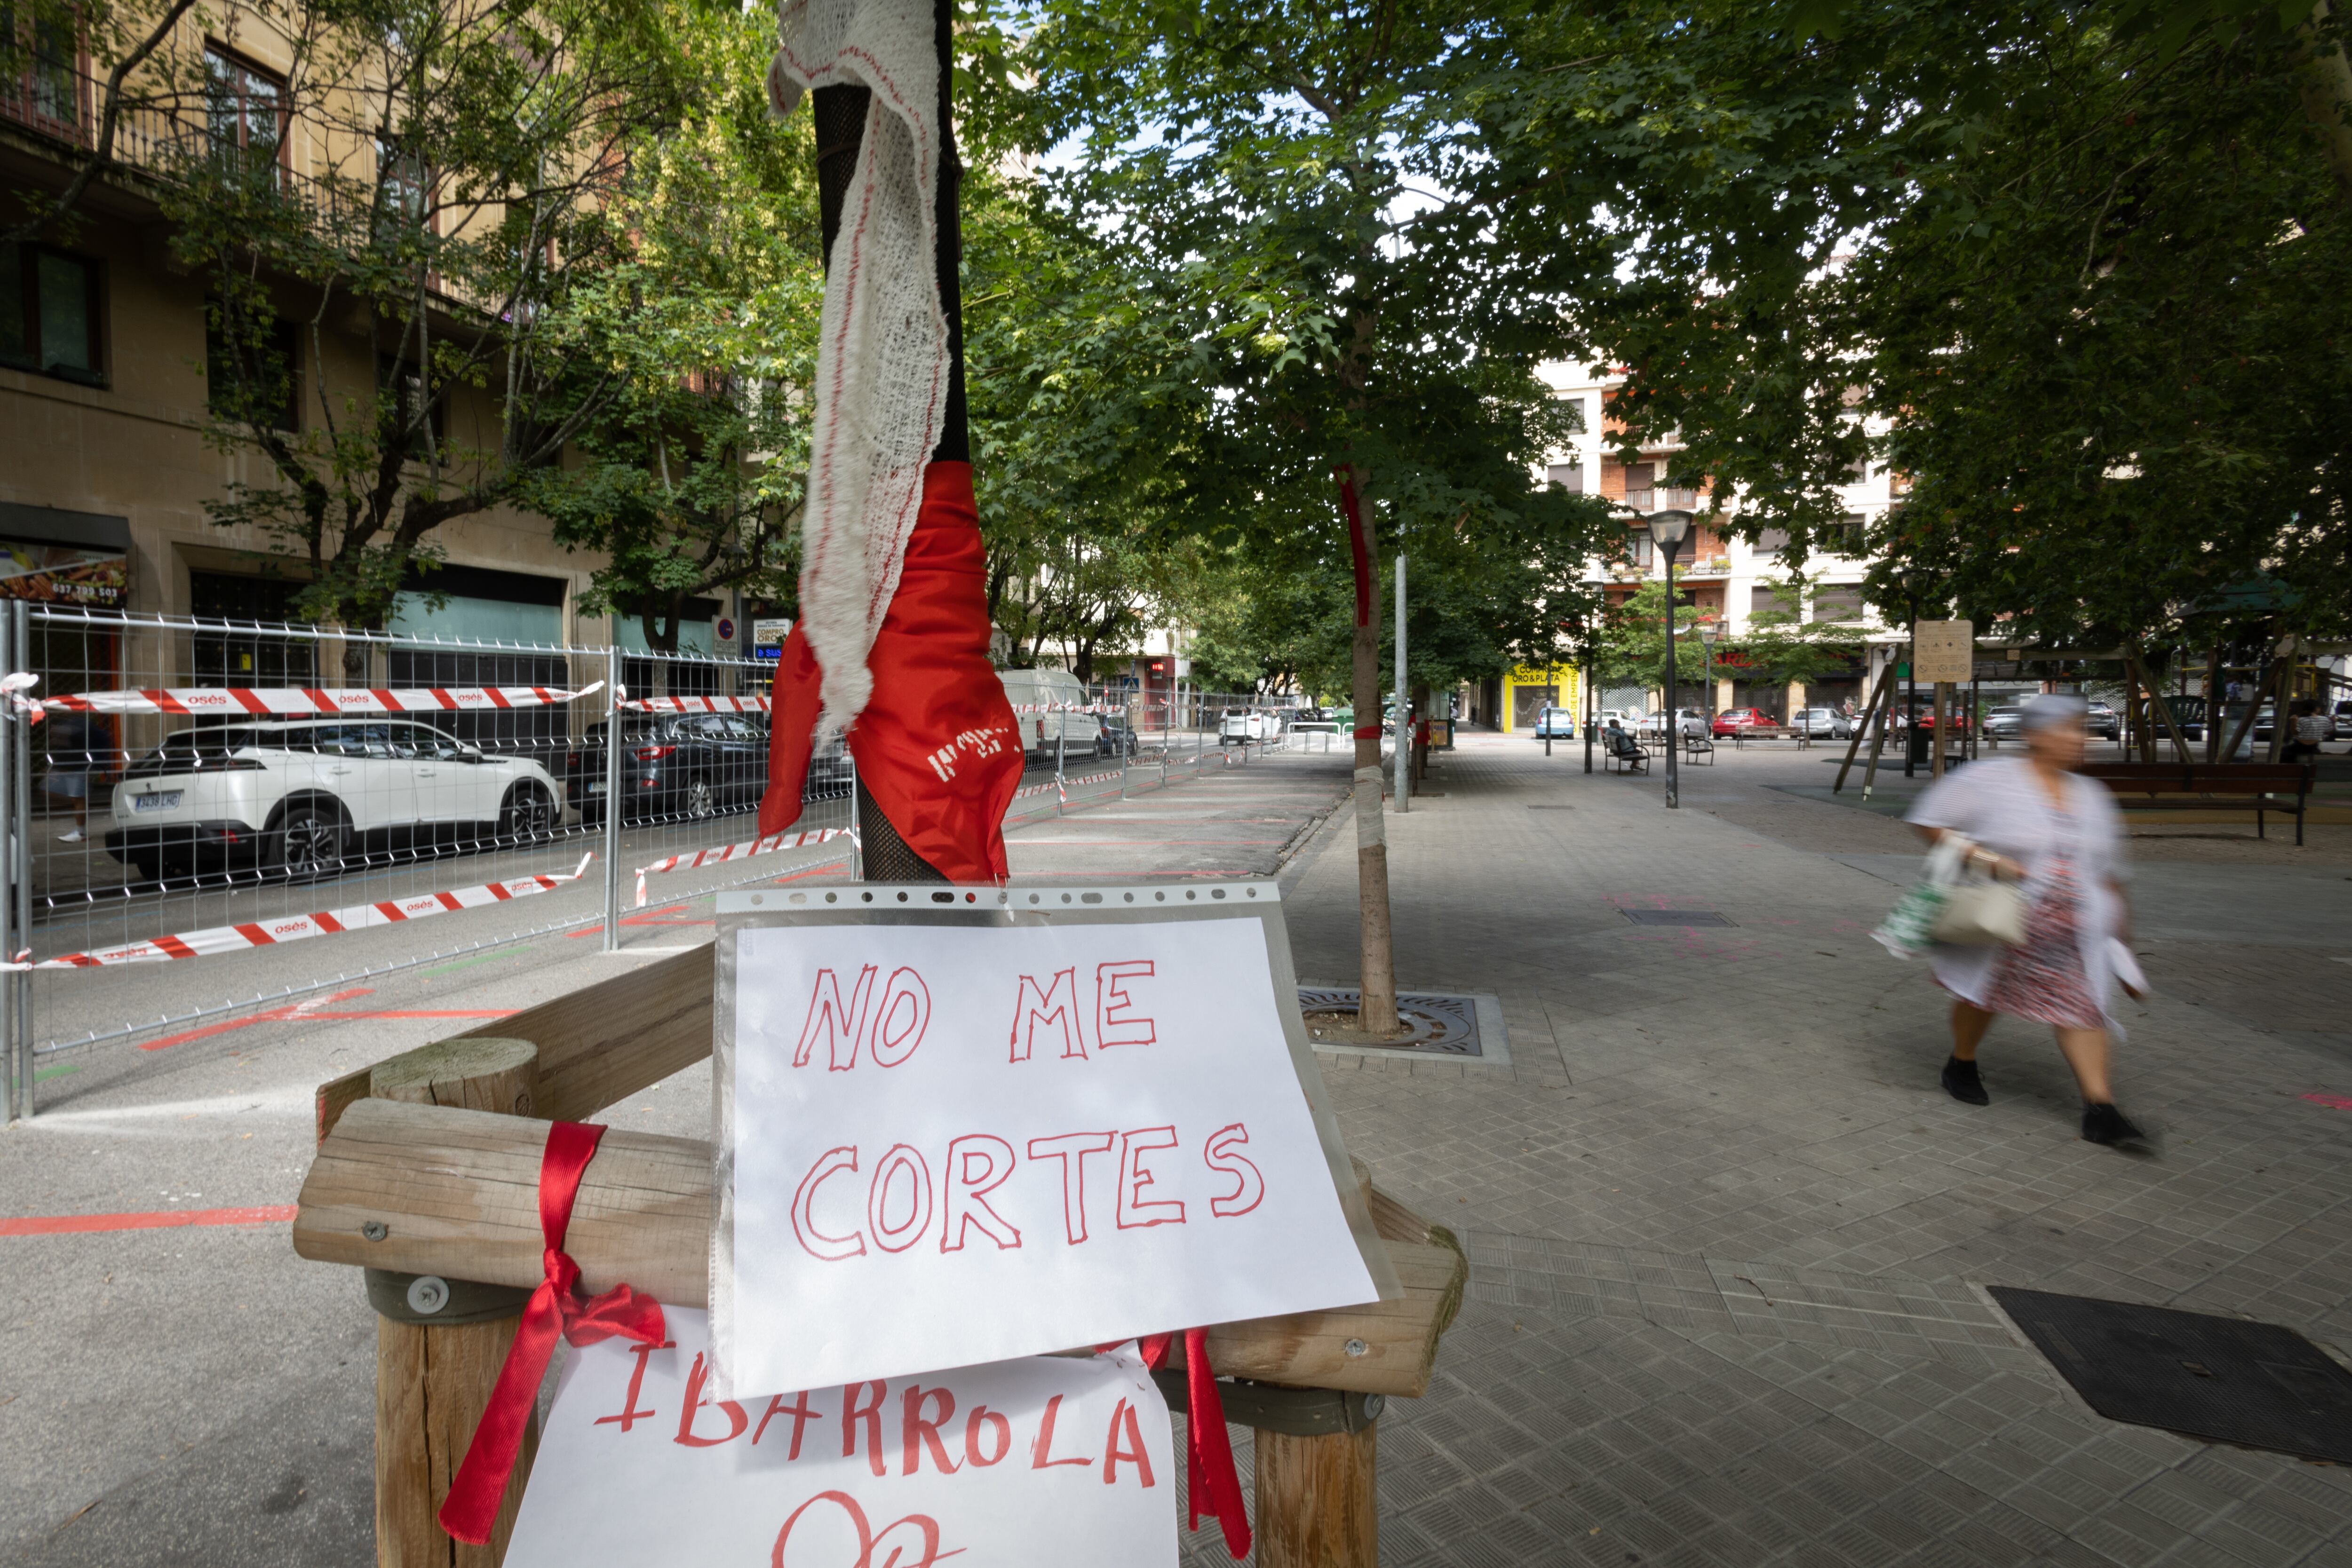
<point>1697,749</point>
<point>1624,752</point>
<point>2261,788</point>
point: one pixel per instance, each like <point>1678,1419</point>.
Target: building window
<point>1844,535</point>
<point>45,88</point>
<point>1837,605</point>
<point>49,313</point>
<point>420,417</point>
<point>246,109</point>
<point>1638,548</point>
<point>252,369</point>
<point>1640,478</point>
<point>1569,476</point>
<point>1771,541</point>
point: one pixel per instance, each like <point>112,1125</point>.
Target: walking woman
<point>2035,822</point>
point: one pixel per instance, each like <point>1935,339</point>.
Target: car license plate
<point>596,786</point>
<point>167,800</point>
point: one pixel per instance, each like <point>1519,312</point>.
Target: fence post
<point>21,811</point>
<point>13,848</point>
<point>1315,1502</point>
<point>613,799</point>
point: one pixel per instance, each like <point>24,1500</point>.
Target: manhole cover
<point>1437,1024</point>
<point>1673,917</point>
<point>2256,1385</point>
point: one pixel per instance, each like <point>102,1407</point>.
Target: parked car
<point>1688,721</point>
<point>2102,721</point>
<point>675,765</point>
<point>1740,721</point>
<point>1246,725</point>
<point>2006,722</point>
<point>1623,719</point>
<point>1117,737</point>
<point>1823,723</point>
<point>1555,724</point>
<point>299,798</point>
<point>2343,721</point>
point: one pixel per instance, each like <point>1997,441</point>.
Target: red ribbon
<point>1214,1490</point>
<point>556,1308</point>
<point>1370,731</point>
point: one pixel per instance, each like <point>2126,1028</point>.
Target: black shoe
<point>1961,1083</point>
<point>2102,1124</point>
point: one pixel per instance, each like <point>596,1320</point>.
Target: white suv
<point>295,799</point>
<point>1241,725</point>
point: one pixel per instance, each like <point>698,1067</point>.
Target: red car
<point>1743,721</point>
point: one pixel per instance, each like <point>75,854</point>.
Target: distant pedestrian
<point>2310,727</point>
<point>2036,822</point>
<point>70,739</point>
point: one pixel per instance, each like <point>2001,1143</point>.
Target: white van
<point>1032,691</point>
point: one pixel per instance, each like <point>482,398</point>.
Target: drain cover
<point>1436,1024</point>
<point>1673,917</point>
<point>2256,1385</point>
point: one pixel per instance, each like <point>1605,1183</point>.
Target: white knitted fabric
<point>882,358</point>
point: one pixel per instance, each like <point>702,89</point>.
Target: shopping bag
<point>1910,927</point>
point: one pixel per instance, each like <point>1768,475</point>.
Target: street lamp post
<point>1667,531</point>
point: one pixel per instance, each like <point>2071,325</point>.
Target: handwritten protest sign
<point>1035,1462</point>
<point>960,1144</point>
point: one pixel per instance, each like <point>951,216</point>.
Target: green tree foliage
<point>1257,181</point>
<point>470,150</point>
<point>691,346</point>
<point>2088,262</point>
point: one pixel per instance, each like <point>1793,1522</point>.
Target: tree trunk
<point>1376,1010</point>
<point>2327,87</point>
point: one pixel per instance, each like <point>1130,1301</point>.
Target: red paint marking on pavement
<point>154,1220</point>
<point>2333,1101</point>
<point>302,1012</point>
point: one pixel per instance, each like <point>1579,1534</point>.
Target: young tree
<point>1278,174</point>
<point>470,149</point>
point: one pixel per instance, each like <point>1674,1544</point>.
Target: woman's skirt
<point>2042,978</point>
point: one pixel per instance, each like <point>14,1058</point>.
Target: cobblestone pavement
<point>1728,1239</point>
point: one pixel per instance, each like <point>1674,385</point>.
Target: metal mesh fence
<point>199,797</point>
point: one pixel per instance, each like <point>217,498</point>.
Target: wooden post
<point>1936,758</point>
<point>1879,700</point>
<point>432,1383</point>
<point>1316,1506</point>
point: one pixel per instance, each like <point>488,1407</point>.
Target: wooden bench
<point>1697,749</point>
<point>2261,788</point>
<point>1622,752</point>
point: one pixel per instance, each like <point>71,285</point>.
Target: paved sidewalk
<point>1729,1237</point>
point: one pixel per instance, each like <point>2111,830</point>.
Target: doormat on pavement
<point>1438,1024</point>
<point>2255,1385</point>
<point>1673,917</point>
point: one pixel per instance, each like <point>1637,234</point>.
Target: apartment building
<point>1727,579</point>
<point>109,370</point>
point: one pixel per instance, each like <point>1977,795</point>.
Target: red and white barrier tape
<point>1058,784</point>
<point>302,702</point>
<point>767,845</point>
<point>296,927</point>
<point>695,705</point>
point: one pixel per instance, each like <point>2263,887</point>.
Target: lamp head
<point>1667,528</point>
<point>1708,630</point>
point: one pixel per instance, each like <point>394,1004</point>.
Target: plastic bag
<point>1909,928</point>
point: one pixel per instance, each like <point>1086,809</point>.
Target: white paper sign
<point>1031,1462</point>
<point>957,1145</point>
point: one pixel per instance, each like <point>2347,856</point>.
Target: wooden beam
<point>456,1193</point>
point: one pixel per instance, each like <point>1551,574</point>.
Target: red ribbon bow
<point>1215,1488</point>
<point>556,1308</point>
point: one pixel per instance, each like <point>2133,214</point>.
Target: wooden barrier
<point>428,1165</point>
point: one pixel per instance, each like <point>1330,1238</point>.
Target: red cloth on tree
<point>937,744</point>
